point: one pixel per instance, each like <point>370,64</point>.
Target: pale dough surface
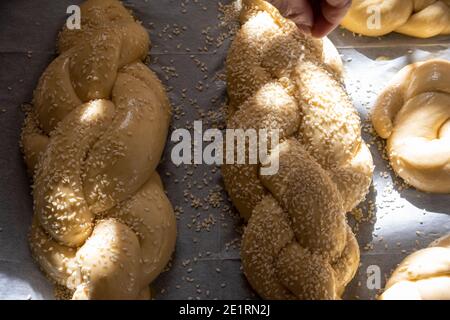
<point>103,226</point>
<point>413,114</point>
<point>424,275</point>
<point>416,18</point>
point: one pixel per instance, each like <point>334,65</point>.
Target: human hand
<point>315,17</point>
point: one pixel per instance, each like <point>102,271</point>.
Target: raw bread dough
<point>103,226</point>
<point>297,244</point>
<point>416,18</point>
<point>413,114</point>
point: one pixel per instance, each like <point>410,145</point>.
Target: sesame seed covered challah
<point>424,275</point>
<point>416,18</point>
<point>103,226</point>
<point>413,114</point>
<point>297,244</point>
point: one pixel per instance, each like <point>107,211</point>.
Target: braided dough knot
<point>417,18</point>
<point>424,275</point>
<point>103,226</point>
<point>413,114</point>
<point>297,243</point>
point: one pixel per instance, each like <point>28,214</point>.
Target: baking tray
<point>190,42</point>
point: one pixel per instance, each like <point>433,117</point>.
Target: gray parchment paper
<point>206,263</point>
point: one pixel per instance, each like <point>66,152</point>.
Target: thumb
<point>330,15</point>
<point>299,11</point>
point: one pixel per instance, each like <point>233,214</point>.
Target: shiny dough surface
<point>413,114</point>
<point>424,275</point>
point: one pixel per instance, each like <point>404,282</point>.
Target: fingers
<point>299,11</point>
<point>316,17</point>
<point>335,10</point>
<point>330,15</point>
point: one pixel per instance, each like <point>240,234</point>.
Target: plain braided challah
<point>416,18</point>
<point>297,244</point>
<point>103,226</point>
<point>424,275</point>
<point>413,114</point>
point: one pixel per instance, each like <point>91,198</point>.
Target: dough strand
<point>424,275</point>
<point>413,114</point>
<point>416,18</point>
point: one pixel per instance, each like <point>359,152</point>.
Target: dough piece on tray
<point>413,114</point>
<point>103,226</point>
<point>416,18</point>
<point>424,275</point>
<point>297,244</point>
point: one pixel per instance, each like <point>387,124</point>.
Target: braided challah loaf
<point>416,18</point>
<point>297,244</point>
<point>413,113</point>
<point>424,275</point>
<point>103,226</point>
